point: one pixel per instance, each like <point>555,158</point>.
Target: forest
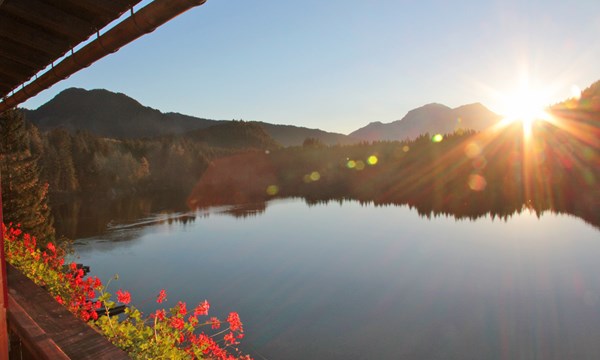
<point>496,172</point>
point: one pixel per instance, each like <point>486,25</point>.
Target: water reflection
<point>364,281</point>
<point>90,215</point>
<point>341,266</point>
<point>468,175</point>
<point>464,177</point>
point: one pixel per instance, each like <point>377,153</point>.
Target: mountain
<point>290,135</point>
<point>235,134</point>
<point>109,114</point>
<point>116,115</point>
<point>433,119</point>
<point>589,101</point>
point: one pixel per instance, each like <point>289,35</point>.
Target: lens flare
<point>575,92</point>
<point>272,190</point>
<point>476,182</point>
<point>472,150</point>
<point>372,160</point>
<point>526,105</point>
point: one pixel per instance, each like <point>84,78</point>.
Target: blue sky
<point>340,64</point>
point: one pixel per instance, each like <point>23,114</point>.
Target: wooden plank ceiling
<point>34,33</point>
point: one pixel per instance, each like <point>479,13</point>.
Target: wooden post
<point>4,288</point>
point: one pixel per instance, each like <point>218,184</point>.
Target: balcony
<point>41,328</point>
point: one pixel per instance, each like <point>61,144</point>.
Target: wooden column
<point>3,288</point>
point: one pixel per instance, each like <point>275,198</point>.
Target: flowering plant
<point>174,334</point>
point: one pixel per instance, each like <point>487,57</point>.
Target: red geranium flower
<point>182,308</point>
<point>202,308</point>
<point>177,323</point>
<point>215,323</point>
<point>229,338</point>
<point>123,296</point>
<point>234,321</point>
<point>162,296</point>
<point>160,314</point>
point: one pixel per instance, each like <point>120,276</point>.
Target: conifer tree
<point>24,197</point>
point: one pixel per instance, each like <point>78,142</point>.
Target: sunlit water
<point>351,281</point>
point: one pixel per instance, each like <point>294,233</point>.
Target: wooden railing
<point>41,328</point>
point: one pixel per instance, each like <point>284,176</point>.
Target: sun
<point>525,105</point>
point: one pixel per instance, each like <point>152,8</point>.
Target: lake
<point>350,280</point>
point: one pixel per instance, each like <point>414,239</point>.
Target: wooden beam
<point>11,78</point>
<point>4,88</point>
<point>48,328</point>
<point>97,12</point>
<point>13,72</point>
<point>36,342</point>
<point>3,288</point>
<point>15,66</point>
<point>144,21</point>
<point>107,6</point>
<point>33,37</point>
<point>23,54</point>
<point>51,18</point>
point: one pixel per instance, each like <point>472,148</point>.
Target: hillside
<point>589,101</point>
<point>115,115</point>
<point>290,135</point>
<point>109,114</point>
<point>431,118</point>
<point>235,134</point>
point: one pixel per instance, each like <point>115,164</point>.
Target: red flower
<point>192,320</point>
<point>182,308</point>
<point>229,338</point>
<point>215,323</point>
<point>202,308</point>
<point>123,297</point>
<point>162,296</point>
<point>85,315</point>
<point>204,342</point>
<point>97,283</point>
<point>177,323</point>
<point>51,247</point>
<point>160,314</point>
<point>59,299</point>
<point>234,321</point>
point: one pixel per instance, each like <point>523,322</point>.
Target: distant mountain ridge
<point>235,134</point>
<point>105,113</point>
<point>109,114</point>
<point>431,118</point>
<point>116,115</point>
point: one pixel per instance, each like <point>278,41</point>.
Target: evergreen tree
<point>57,163</point>
<point>24,197</point>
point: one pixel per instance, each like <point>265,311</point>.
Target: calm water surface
<point>352,281</point>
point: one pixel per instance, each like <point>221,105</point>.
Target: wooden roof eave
<point>136,25</point>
